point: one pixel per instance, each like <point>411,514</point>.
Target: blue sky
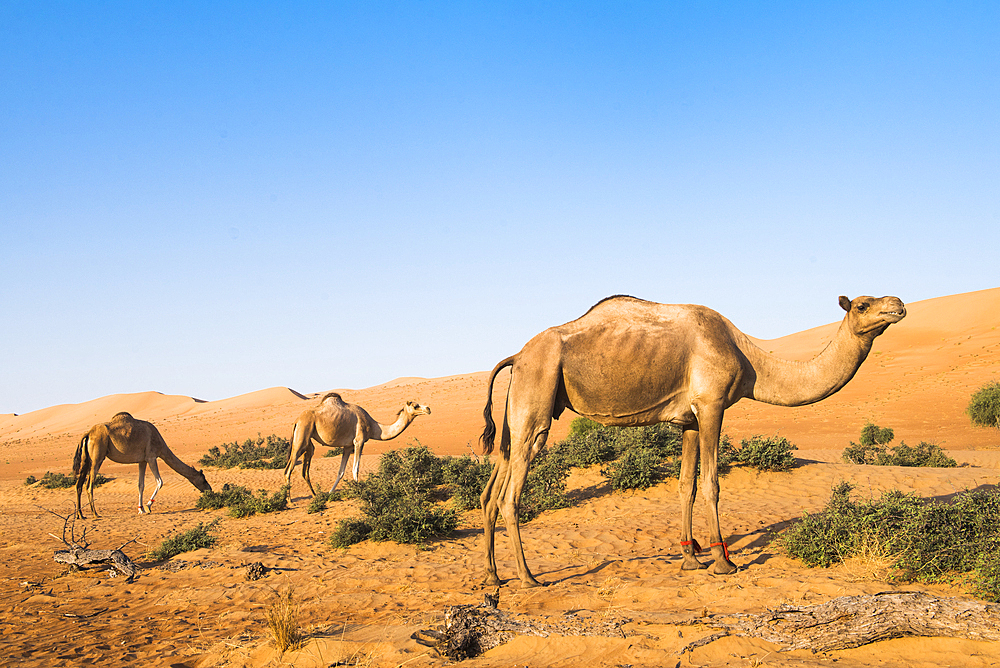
<point>211,198</point>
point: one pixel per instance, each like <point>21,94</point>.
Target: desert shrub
<point>349,531</point>
<point>638,468</point>
<point>241,501</point>
<point>260,453</point>
<point>467,477</point>
<point>193,539</point>
<point>984,406</point>
<point>927,541</point>
<point>725,459</point>
<point>590,443</point>
<point>62,481</point>
<point>924,454</point>
<point>411,469</point>
<point>396,501</point>
<point>766,454</point>
<point>545,488</point>
<point>333,452</point>
<point>318,503</point>
<point>873,450</point>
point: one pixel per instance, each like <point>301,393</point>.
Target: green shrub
<point>638,468</point>
<point>193,539</point>
<point>242,503</point>
<point>63,481</point>
<point>926,541</point>
<point>412,469</point>
<point>396,501</point>
<point>984,406</point>
<point>260,453</point>
<point>318,503</point>
<point>545,488</point>
<point>467,477</point>
<point>349,531</point>
<point>333,452</point>
<point>766,454</point>
<point>924,454</point>
<point>872,450</point>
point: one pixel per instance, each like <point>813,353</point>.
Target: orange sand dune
<point>611,554</point>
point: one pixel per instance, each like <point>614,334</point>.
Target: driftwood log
<point>81,556</point>
<point>470,630</point>
<point>842,623</point>
<point>853,621</point>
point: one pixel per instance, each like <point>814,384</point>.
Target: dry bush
<point>283,623</point>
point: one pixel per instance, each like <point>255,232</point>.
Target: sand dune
<point>610,554</point>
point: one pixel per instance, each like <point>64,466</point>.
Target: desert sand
<point>610,555</point>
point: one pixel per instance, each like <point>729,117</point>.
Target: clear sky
<point>211,198</point>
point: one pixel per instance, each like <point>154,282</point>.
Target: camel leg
<point>97,458</point>
<point>81,481</point>
<point>301,444</point>
<point>142,485</point>
<point>516,477</point>
<point>709,429</point>
<point>687,489</point>
<point>489,502</point>
<point>155,469</point>
<point>307,459</point>
<point>530,401</point>
<point>343,467</point>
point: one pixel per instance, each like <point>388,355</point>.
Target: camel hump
<point>123,416</point>
<point>331,395</point>
<point>616,298</point>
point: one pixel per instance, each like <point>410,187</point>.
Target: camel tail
<point>81,455</point>
<point>291,444</point>
<point>490,432</point>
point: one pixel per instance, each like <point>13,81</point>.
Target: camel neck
<point>384,432</point>
<point>790,383</point>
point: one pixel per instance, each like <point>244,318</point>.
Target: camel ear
<point>845,303</point>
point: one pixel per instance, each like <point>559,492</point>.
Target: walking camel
<point>629,362</point>
<point>125,440</point>
<point>338,424</point>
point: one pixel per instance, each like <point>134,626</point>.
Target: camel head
<point>413,409</point>
<point>201,482</point>
<point>870,316</point>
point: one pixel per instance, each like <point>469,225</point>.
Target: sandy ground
<point>610,555</point>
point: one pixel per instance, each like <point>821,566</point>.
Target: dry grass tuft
<point>872,561</point>
<point>283,623</point>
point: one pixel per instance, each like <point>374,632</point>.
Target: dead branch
<point>853,621</point>
<point>80,556</point>
<point>470,630</point>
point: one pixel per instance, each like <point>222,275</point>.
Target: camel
<point>338,424</point>
<point>629,362</point>
<point>125,440</point>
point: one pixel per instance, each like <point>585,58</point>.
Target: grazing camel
<point>629,362</point>
<point>125,440</point>
<point>338,424</point>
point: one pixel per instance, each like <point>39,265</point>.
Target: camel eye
<point>862,307</point>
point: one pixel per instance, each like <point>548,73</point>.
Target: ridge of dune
<point>79,417</point>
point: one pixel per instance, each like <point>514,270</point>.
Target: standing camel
<point>338,424</point>
<point>125,440</point>
<point>629,362</point>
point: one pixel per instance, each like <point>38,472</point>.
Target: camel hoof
<point>724,567</point>
<point>530,583</point>
<point>692,564</point>
<point>491,581</point>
